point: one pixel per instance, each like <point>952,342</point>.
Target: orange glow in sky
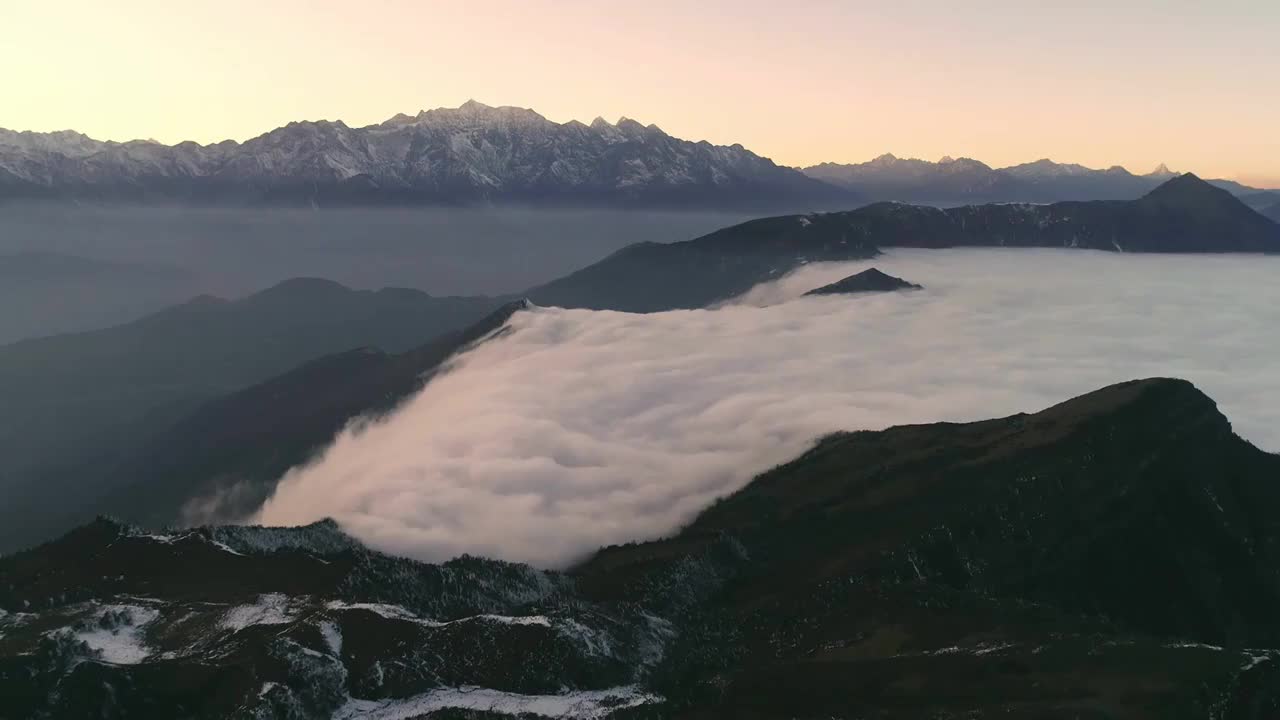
<point>1136,83</point>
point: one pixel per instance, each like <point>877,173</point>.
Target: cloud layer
<point>584,428</point>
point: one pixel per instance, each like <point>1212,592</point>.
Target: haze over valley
<point>135,260</point>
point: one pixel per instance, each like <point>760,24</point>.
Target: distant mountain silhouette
<point>1185,214</point>
<point>908,179</point>
<point>650,277</point>
<point>965,181</point>
<point>46,293</point>
<point>1266,203</point>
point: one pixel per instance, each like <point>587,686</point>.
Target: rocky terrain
<point>1110,557</point>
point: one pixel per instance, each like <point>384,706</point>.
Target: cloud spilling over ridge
<point>584,428</point>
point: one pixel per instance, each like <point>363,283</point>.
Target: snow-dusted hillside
<point>466,154</point>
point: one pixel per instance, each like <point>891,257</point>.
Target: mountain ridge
<point>1185,214</point>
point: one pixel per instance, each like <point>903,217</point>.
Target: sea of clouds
<point>580,428</point>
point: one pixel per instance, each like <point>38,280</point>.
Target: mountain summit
<point>473,153</point>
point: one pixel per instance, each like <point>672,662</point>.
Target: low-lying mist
<point>581,428</point>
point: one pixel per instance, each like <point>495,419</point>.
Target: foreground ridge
<point>1029,566</point>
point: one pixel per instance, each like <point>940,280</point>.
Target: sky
<point>1130,82</point>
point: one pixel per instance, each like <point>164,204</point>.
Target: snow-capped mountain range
<point>481,154</point>
<point>473,153</point>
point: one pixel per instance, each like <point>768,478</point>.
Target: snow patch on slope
<point>1255,659</point>
<point>581,705</point>
<point>10,620</point>
<point>173,538</point>
<point>395,612</point>
<point>270,609</point>
<point>332,637</point>
<point>116,633</point>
